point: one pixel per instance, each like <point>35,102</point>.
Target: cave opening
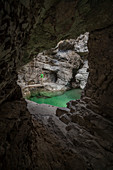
<point>81,135</point>
<point>53,77</point>
<point>65,73</point>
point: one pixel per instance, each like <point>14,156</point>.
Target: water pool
<point>61,100</point>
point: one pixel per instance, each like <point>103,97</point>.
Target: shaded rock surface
<point>78,137</point>
<point>28,27</point>
<point>94,114</point>
<point>56,149</point>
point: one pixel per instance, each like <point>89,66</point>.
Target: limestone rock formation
<point>57,64</point>
<point>28,27</point>
<point>57,69</point>
<point>82,75</point>
<point>80,44</point>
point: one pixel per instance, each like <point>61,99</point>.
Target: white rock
<point>82,75</point>
<point>57,66</point>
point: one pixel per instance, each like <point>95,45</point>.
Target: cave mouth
<point>86,141</point>
<point>65,73</point>
<point>53,76</point>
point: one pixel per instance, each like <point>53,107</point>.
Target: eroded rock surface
<point>27,27</point>
<point>59,65</point>
<point>57,151</point>
<point>93,113</point>
<point>82,75</point>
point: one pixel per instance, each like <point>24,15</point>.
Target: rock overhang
<point>24,34</point>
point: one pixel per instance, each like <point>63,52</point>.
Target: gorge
<point>63,69</point>
<point>82,136</point>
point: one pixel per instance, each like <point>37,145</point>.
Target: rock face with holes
<point>26,28</point>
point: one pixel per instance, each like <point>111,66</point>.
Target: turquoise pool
<point>59,101</point>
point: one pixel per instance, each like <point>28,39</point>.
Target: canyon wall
<point>28,27</point>
<point>62,67</point>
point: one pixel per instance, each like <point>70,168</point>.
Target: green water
<point>59,101</point>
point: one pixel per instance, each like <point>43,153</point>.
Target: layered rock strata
<point>59,66</point>
<point>26,143</point>
<point>57,69</point>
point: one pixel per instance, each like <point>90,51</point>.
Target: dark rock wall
<point>64,19</point>
<point>94,112</point>
<point>15,25</point>
<point>16,22</point>
<point>26,27</point>
<point>15,135</point>
<point>100,83</point>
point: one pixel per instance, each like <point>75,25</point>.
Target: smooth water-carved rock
<point>82,75</point>
<point>58,65</point>
<point>25,141</point>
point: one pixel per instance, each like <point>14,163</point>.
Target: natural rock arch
<point>28,27</point>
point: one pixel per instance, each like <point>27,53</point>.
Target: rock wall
<point>82,75</point>
<point>101,72</point>
<point>91,117</point>
<point>23,24</point>
<point>15,25</point>
<point>15,135</point>
<point>59,65</point>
